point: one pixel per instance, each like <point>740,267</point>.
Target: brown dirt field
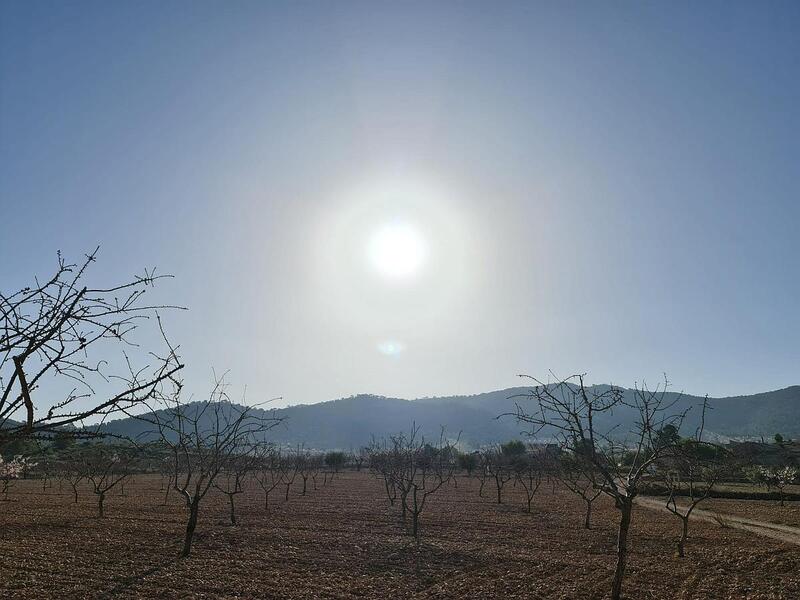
<point>763,510</point>
<point>343,541</point>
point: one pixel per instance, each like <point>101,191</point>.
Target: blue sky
<point>611,188</point>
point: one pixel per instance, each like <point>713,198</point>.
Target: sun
<point>396,251</point>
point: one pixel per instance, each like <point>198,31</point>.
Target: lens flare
<point>391,347</point>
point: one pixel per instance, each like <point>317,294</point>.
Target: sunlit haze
<point>416,199</point>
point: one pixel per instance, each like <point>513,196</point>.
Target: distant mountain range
<point>352,422</point>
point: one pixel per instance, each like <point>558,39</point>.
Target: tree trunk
<point>305,480</point>
<point>415,518</point>
<point>626,507</point>
<point>233,512</point>
<point>587,522</point>
<point>190,527</point>
<point>75,493</point>
<point>499,490</point>
<point>100,501</point>
<point>684,535</point>
<point>389,493</point>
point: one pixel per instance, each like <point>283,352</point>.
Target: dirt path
<point>776,531</point>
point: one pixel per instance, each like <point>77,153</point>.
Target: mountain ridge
<point>478,419</point>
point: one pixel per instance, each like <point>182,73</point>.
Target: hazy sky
<point>599,187</point>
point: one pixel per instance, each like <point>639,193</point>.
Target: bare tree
<point>568,410</point>
<point>316,466</point>
<point>231,479</point>
<point>499,465</point>
<point>382,464</point>
<point>268,473</point>
<point>205,438</point>
<point>104,467</point>
<point>289,469</point>
<point>420,469</point>
<point>578,476</point>
<point>684,483</point>
<point>54,329</point>
<point>469,462</point>
<point>306,466</point>
<point>690,472</point>
<point>483,472</point>
<point>60,475</point>
<point>70,469</point>
<point>529,470</point>
<point>44,469</point>
<point>360,456</point>
<point>167,471</point>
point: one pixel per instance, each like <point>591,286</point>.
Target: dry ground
<point>344,541</point>
<point>763,510</point>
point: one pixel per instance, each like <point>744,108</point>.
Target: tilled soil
<point>343,540</point>
<point>762,510</point>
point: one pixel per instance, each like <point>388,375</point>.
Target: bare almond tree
<point>268,473</point>
<point>305,466</point>
<point>316,465</point>
<point>44,469</point>
<point>567,410</point>
<point>381,464</point>
<point>692,482</point>
<point>205,438</point>
<point>232,478</point>
<point>289,468</point>
<point>420,469</point>
<point>529,471</point>
<point>482,473</point>
<point>690,473</point>
<point>579,477</point>
<point>105,467</point>
<point>70,470</point>
<point>500,468</point>
<point>167,472</point>
<point>79,338</point>
<point>360,456</point>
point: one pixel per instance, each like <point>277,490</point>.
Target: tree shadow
<point>126,583</point>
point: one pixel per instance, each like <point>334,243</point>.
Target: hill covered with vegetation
<point>485,418</point>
